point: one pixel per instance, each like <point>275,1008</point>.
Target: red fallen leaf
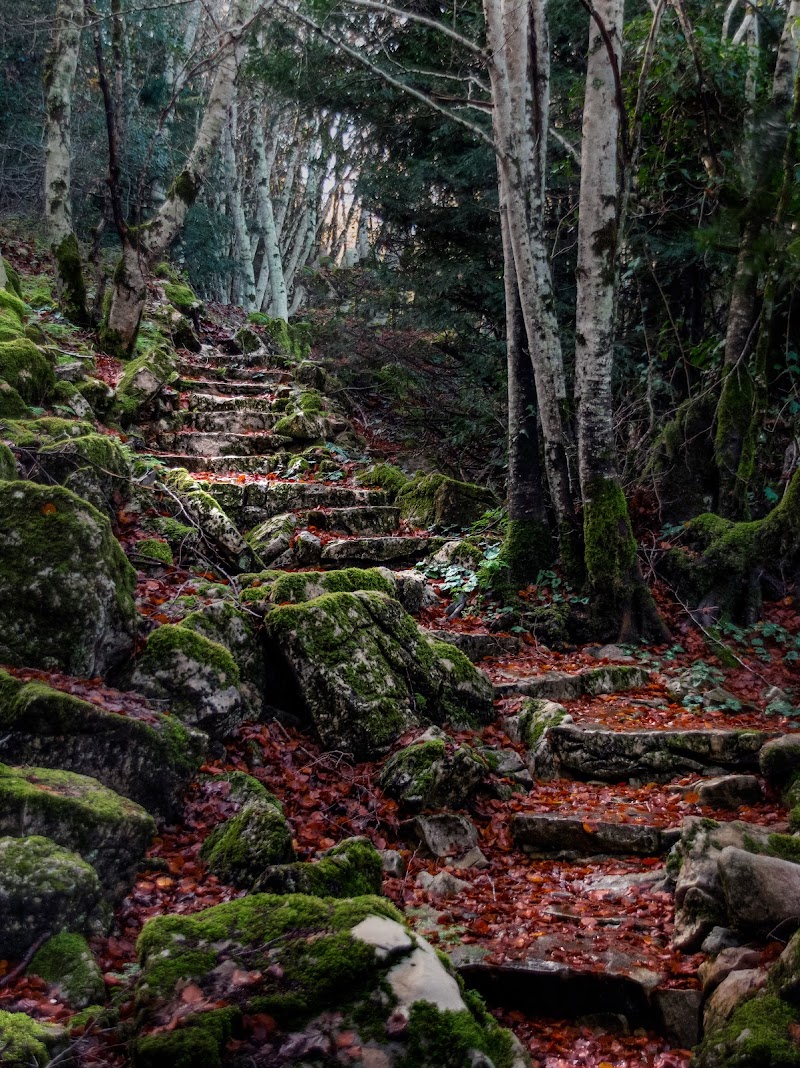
<point>49,508</point>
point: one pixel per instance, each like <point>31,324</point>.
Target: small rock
<point>729,791</point>
<point>445,884</point>
<point>720,938</point>
<point>760,891</point>
<point>774,693</point>
<point>613,652</point>
<point>733,959</point>
<point>735,989</point>
<point>307,548</point>
<point>679,1015</point>
<point>473,858</point>
<point>615,1022</point>
<point>446,834</point>
<point>392,863</point>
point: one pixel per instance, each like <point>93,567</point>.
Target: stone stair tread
<point>238,421</point>
<point>220,402</point>
<point>477,645</point>
<point>221,387</point>
<point>250,503</point>
<point>233,372</point>
<point>357,552</point>
<point>545,833</point>
<point>560,686</point>
<point>216,443</point>
<point>223,465</point>
<point>377,519</point>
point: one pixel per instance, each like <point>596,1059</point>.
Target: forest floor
<point>515,908</point>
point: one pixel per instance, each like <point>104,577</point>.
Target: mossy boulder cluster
<point>321,969</point>
<point>364,673</point>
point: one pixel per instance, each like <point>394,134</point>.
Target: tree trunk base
<point>71,289</point>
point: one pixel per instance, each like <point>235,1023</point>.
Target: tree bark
<point>272,277</point>
<point>154,237</point>
<point>61,65</point>
<point>243,252</point>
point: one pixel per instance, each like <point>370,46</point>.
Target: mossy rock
<point>155,550</point>
<point>96,467</point>
<point>386,477</point>
<point>300,427</point>
<point>433,773</point>
<point>284,587</point>
<point>12,406</point>
<point>35,433</point>
<point>110,832</point>
<point>13,304</point>
<point>759,1034</point>
<point>247,340</point>
<point>44,888</point>
<point>27,369</point>
<point>534,718</point>
<point>25,1041</point>
<point>183,297</point>
<point>438,501</point>
<point>66,587</point>
<point>142,381</point>
<point>71,286</point>
<point>14,282</point>
<point>350,869</point>
<point>240,849</point>
<point>147,757</point>
<point>238,631</point>
<point>198,1043</point>
<point>196,676</point>
<point>8,464</point>
<point>66,962</point>
<point>338,965</point>
<point>360,668</point>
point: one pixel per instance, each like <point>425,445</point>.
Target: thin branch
<point>423,20</point>
<point>571,150</point>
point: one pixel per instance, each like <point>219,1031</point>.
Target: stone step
<point>574,752</point>
<point>479,645</point>
<point>396,551</point>
<point>216,358</point>
<point>254,387</point>
<point>231,371</point>
<point>249,504</point>
<point>361,519</point>
<point>545,834</point>
<point>218,402</point>
<point>239,421</point>
<point>223,465</point>
<point>558,686</point>
<point>219,444</point>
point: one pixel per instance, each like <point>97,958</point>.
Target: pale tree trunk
<point>518,42</point>
<point>735,407</point>
<point>62,62</point>
<point>3,274</point>
<point>362,237</point>
<point>621,607</point>
<point>306,237</point>
<point>129,291</point>
<point>243,252</point>
<point>272,267</point>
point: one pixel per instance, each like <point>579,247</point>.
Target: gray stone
<point>733,959</point>
<point>473,858</point>
<point>478,646</point>
<point>549,834</point>
<point>557,686</point>
<point>760,891</point>
<point>307,549</point>
<point>678,1014</point>
<point>446,834</point>
<point>780,761</point>
<point>393,863</point>
<point>433,772</point>
<point>443,884</point>
<point>365,552</point>
<point>719,939</point>
<point>729,791</point>
<point>733,991</point>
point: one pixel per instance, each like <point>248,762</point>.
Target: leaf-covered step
<point>559,686</point>
<point>542,834</point>
<point>232,370</point>
<point>571,751</point>
<point>251,503</point>
<point>220,444</point>
<point>366,552</point>
<point>219,402</point>
<point>223,465</point>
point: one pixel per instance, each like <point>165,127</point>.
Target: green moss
<point>71,284</point>
<point>27,369</point>
<point>153,549</point>
<point>12,406</point>
<point>757,1036</point>
<point>297,587</point>
<point>33,433</point>
<point>182,297</point>
<point>527,549</point>
<point>13,303</point>
<point>535,717</point>
<point>14,283</point>
<point>197,1043</point>
<point>8,464</point>
<point>310,402</point>
<point>435,500</point>
<point>24,1041</point>
<point>171,640</point>
<point>167,271</point>
<point>247,340</point>
<point>67,962</point>
<point>445,1039</point>
<point>238,850</point>
<point>351,869</point>
<point>186,187</point>
<point>244,788</point>
<point>321,965</point>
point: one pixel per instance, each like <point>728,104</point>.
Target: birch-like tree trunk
<point>271,276</point>
<point>519,70</point>
<point>61,65</point>
<point>733,451</point>
<point>242,249</point>
<point>620,603</point>
<point>154,237</point>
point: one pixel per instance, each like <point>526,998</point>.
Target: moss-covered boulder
<point>238,631</point>
<point>350,869</point>
<point>8,464</point>
<point>66,962</point>
<point>197,677</point>
<point>25,1041</point>
<point>35,433</point>
<point>44,889</point>
<point>438,501</point>
<point>239,850</point>
<point>143,380</point>
<point>359,666</point>
<point>27,369</point>
<point>433,772</point>
<point>142,754</point>
<point>96,467</point>
<point>182,296</point>
<point>272,538</point>
<point>66,587</point>
<point>12,406</point>
<point>535,716</point>
<point>286,587</point>
<point>386,477</point>
<point>220,534</point>
<point>110,832</point>
<point>320,968</point>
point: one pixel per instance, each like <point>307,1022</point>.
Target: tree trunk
<point>60,69</point>
<point>272,266</point>
<point>154,237</point>
<point>243,252</point>
<point>620,603</point>
<point>518,43</point>
<point>732,444</point>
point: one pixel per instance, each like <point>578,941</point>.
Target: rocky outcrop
<point>239,850</point>
<point>364,673</point>
<point>433,772</point>
<point>66,588</point>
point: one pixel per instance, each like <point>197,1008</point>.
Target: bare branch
<point>423,20</point>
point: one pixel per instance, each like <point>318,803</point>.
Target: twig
<point>15,973</point>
